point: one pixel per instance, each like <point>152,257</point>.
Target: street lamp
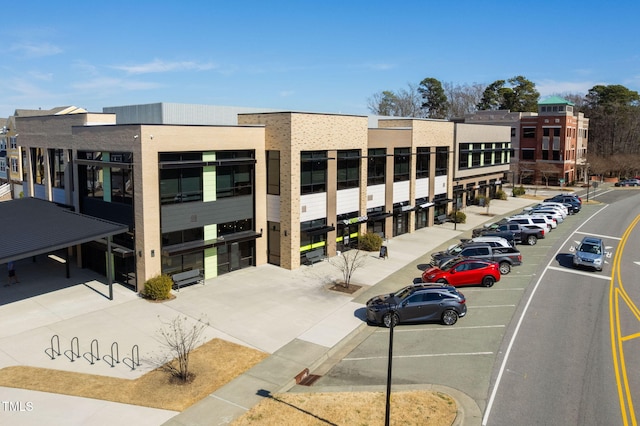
<point>391,313</point>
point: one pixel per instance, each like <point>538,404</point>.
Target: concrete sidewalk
<point>289,314</point>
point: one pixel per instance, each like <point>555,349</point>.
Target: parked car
<point>628,182</point>
<point>530,220</point>
<point>590,253</point>
<point>417,303</point>
<point>567,199</point>
<point>463,271</point>
<point>492,241</point>
<point>523,234</point>
<point>566,208</point>
<point>554,213</point>
<point>505,257</point>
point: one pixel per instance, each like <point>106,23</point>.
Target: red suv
<point>461,272</point>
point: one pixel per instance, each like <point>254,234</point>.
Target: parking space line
<point>493,306</point>
<point>471,290</point>
<point>413,330</point>
<point>586,274</point>
<point>418,356</point>
<point>599,236</point>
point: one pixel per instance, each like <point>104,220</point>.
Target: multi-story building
<point>549,146</point>
<point>553,144</point>
<point>268,188</point>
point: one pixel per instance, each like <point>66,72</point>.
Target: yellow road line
<point>616,293</point>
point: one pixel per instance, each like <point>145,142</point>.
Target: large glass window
<point>442,160</point>
<point>180,184</point>
<point>37,155</point>
<point>529,132</point>
<point>314,241</point>
<point>56,164</point>
<point>423,159</point>
<point>233,180</point>
<point>121,185</point>
<point>528,154</point>
<point>401,164</point>
<point>313,176</point>
<point>273,172</point>
<point>348,169</point>
<point>182,262</point>
<point>488,156</point>
<point>376,167</point>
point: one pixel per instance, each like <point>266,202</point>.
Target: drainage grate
<point>309,380</point>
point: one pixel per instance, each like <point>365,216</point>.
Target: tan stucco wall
<point>146,141</point>
<point>291,133</point>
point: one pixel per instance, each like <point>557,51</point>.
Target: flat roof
<point>34,226</point>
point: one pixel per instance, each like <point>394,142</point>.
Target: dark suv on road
<point>417,303</point>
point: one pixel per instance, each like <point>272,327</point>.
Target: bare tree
<point>401,103</point>
<point>348,262</point>
<point>546,170</point>
<point>463,98</point>
<point>180,338</point>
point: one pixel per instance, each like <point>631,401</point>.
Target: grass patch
<point>214,364</point>
<point>419,408</point>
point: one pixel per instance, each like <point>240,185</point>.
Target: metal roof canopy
<point>39,227</point>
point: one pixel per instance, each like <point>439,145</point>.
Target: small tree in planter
<point>348,262</point>
<point>485,201</point>
<point>180,339</point>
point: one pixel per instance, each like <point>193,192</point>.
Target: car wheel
<point>505,268</point>
<point>532,240</point>
<point>442,281</point>
<point>488,281</point>
<point>449,317</point>
<point>390,318</point>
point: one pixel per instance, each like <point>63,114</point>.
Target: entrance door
<point>234,257</point>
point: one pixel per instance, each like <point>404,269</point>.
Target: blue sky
<point>324,56</point>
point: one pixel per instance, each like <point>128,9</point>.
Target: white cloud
<point>158,66</point>
<point>286,93</point>
<point>42,76</point>
<point>33,50</point>
<point>549,87</point>
<point>108,83</point>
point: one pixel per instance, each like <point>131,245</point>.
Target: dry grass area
<point>419,408</point>
<point>218,362</point>
<point>214,364</point>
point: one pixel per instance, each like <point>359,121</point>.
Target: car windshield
<point>404,293</point>
<point>449,264</point>
<point>589,248</point>
<point>456,249</point>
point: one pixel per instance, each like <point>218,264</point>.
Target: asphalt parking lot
<point>461,356</point>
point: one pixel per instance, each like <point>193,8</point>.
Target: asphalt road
<point>537,347</point>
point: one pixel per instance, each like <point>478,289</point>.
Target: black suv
<point>415,303</point>
<point>568,200</point>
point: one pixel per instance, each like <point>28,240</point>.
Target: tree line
<point>613,112</point>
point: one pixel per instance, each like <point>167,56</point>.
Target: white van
<point>491,240</point>
<point>531,220</point>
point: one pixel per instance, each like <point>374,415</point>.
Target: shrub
<point>370,242</point>
<point>460,217</point>
<point>519,191</point>
<point>158,287</point>
<point>500,195</point>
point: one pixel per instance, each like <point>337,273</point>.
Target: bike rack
<point>53,351</point>
<point>97,355</point>
<point>77,353</point>
<point>135,350</point>
<point>117,357</point>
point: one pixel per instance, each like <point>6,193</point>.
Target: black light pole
<point>388,404</point>
<point>455,211</point>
